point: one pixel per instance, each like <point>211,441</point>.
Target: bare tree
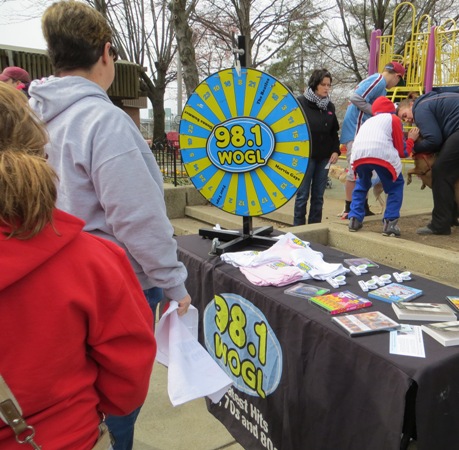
<point>210,46</point>
<point>144,35</point>
<point>186,47</point>
<point>14,11</point>
<point>202,52</point>
<point>293,63</point>
<point>212,54</point>
<point>265,24</point>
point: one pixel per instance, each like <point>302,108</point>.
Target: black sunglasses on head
<point>113,52</point>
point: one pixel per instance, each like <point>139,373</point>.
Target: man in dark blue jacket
<point>437,117</point>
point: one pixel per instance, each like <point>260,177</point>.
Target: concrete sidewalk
<point>162,427</point>
<point>415,201</point>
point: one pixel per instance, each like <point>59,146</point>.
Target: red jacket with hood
<point>380,139</point>
<point>76,333</point>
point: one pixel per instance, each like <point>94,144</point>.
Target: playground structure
<point>431,54</point>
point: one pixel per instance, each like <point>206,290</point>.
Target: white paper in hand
<point>192,373</point>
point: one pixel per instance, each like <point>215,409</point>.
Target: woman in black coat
<point>324,146</point>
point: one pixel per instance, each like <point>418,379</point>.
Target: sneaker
<point>427,230</point>
<point>344,216</point>
<point>391,228</point>
<point>354,224</point>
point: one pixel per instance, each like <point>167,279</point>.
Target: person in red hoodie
<point>378,146</point>
<point>76,334</point>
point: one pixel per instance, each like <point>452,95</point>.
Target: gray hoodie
<point>109,177</point>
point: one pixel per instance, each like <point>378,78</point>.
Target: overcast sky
<point>16,29</point>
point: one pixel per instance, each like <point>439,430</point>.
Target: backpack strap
<point>11,414</point>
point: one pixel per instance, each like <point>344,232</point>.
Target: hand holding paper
<point>192,371</point>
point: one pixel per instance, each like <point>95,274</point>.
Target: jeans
<point>154,296</point>
<point>393,189</point>
<point>314,182</point>
<point>122,427</point>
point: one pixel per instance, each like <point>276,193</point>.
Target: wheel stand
<point>234,241</point>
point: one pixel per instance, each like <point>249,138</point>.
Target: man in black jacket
<point>437,117</point>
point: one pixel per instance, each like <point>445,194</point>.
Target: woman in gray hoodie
<point>107,173</point>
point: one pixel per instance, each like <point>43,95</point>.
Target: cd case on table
<point>305,290</point>
<point>453,301</point>
<point>395,292</point>
<point>340,302</point>
<point>359,261</point>
<point>366,323</point>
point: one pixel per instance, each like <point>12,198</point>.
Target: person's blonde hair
<point>28,190</point>
<point>405,103</point>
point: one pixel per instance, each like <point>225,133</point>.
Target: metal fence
<point>167,154</point>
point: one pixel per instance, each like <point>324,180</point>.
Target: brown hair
<point>75,34</point>
<point>28,190</point>
<point>19,127</point>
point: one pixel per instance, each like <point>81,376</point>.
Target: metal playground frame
<point>431,55</point>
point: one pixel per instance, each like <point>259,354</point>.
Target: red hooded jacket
<point>380,139</point>
<point>76,333</point>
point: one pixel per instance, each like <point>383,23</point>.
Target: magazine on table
<point>395,292</point>
<point>366,323</point>
<point>435,312</point>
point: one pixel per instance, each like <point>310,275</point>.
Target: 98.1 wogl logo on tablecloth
<point>238,336</point>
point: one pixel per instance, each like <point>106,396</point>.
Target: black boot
<point>367,209</point>
<point>347,210</point>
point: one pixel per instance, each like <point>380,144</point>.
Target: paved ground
<point>415,212</point>
<point>409,225</point>
<point>415,200</point>
<point>162,427</point>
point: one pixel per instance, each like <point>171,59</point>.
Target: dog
<point>423,163</point>
<point>339,173</point>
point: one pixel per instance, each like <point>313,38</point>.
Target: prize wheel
<point>244,141</point>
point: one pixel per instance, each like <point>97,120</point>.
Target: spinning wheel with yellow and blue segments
<point>244,141</point>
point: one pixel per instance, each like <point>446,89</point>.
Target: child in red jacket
<point>378,146</point>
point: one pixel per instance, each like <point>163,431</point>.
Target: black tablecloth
<point>334,392</point>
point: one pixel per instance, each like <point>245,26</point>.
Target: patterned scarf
<point>322,103</point>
